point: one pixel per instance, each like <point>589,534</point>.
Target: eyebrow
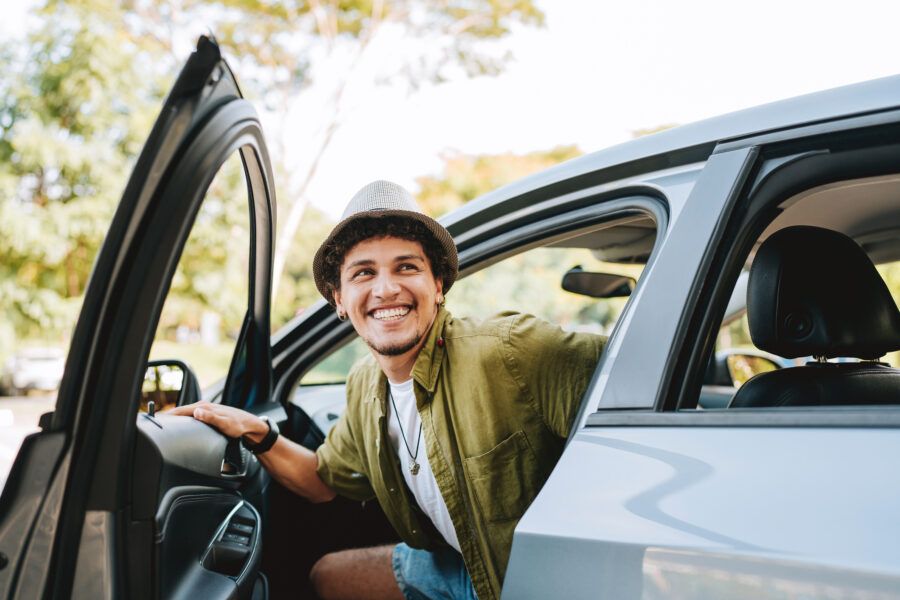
<point>367,262</point>
<point>360,263</point>
<point>410,257</point>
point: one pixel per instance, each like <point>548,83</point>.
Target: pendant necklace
<point>414,467</point>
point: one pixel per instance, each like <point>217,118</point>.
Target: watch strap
<point>264,444</point>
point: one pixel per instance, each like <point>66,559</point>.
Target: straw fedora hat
<point>384,199</point>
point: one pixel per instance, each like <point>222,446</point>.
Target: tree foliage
<point>466,177</point>
<point>79,96</point>
<point>65,149</point>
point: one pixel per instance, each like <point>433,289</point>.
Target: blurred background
<point>451,98</point>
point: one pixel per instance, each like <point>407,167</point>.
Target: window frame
<point>787,164</point>
<point>493,242</point>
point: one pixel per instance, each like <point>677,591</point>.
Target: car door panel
<point>185,485</point>
<point>197,558</point>
<point>31,496</point>
<point>324,404</point>
<point>714,512</point>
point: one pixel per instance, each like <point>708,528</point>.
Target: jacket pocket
<point>504,479</point>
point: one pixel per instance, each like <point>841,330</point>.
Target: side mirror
<point>742,367</point>
<point>168,383</point>
<point>597,285</point>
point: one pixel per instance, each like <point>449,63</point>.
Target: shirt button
<point>392,489</point>
<point>414,531</point>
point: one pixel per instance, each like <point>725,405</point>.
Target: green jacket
<point>497,399</point>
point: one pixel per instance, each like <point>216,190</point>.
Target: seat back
<point>814,292</point>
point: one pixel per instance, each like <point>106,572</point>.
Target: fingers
<point>187,410</point>
<point>223,418</point>
<point>206,415</point>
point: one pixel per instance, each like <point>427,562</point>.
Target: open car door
<point>103,502</point>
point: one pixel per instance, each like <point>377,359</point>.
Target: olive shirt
<point>497,399</point>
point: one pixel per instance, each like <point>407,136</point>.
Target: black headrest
<point>814,292</point>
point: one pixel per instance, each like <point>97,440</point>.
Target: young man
<point>453,425</point>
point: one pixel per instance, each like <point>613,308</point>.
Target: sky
<point>599,71</point>
<point>596,73</point>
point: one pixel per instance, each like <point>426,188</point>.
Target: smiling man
<point>452,424</point>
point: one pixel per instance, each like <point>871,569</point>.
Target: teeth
<point>390,314</point>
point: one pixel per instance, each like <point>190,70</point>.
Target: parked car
<point>32,369</point>
<point>774,495</point>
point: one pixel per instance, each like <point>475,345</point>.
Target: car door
<point>74,521</point>
<point>656,498</point>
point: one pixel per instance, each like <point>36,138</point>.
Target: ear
<point>439,284</point>
<point>336,295</point>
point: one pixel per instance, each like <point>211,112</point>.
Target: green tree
<point>466,177</point>
<point>78,99</point>
<point>66,140</point>
<point>284,49</point>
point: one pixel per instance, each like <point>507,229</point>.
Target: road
<point>18,417</point>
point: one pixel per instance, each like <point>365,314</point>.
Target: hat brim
<point>440,233</point>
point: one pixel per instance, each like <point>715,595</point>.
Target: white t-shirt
<point>423,485</point>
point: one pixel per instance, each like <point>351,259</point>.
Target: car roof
<point>693,142</point>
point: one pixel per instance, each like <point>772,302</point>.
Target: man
<point>454,425</point>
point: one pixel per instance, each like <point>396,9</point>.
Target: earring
<point>342,316</point>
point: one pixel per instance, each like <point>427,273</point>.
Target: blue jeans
<point>438,575</point>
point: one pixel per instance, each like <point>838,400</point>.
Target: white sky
<point>600,70</point>
<point>597,72</point>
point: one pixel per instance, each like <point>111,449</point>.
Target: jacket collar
<point>431,356</point>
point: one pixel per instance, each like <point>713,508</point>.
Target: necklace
<point>414,467</point>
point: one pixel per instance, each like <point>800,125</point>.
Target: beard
<point>396,348</point>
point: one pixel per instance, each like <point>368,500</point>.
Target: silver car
<point>684,475</point>
<point>32,369</point>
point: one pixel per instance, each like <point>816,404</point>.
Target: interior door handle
<point>235,461</point>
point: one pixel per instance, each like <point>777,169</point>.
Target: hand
<point>230,421</point>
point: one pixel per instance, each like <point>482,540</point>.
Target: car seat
<point>814,292</point>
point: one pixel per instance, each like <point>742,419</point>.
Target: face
<point>390,294</point>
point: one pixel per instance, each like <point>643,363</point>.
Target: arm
<point>292,465</point>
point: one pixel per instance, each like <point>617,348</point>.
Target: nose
<point>386,286</point>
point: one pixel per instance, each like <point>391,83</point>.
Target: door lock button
<point>240,528</point>
<point>236,539</point>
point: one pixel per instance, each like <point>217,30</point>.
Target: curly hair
<point>366,228</point>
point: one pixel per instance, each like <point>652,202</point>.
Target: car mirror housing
<point>597,285</point>
<point>168,383</point>
<point>742,367</point>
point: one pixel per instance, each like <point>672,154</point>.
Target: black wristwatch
<point>266,443</point>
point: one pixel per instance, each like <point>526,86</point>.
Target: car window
<point>205,306</point>
<point>529,282</point>
<point>335,367</point>
<point>736,360</point>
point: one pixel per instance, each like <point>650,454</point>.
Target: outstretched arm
<point>292,465</point>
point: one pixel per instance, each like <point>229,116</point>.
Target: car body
<point>653,497</point>
<point>33,369</point>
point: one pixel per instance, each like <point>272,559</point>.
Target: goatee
<point>396,349</point>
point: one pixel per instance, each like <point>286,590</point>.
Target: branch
<point>463,25</point>
<point>298,207</point>
<point>323,24</point>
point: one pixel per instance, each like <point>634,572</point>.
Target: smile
<point>390,314</point>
